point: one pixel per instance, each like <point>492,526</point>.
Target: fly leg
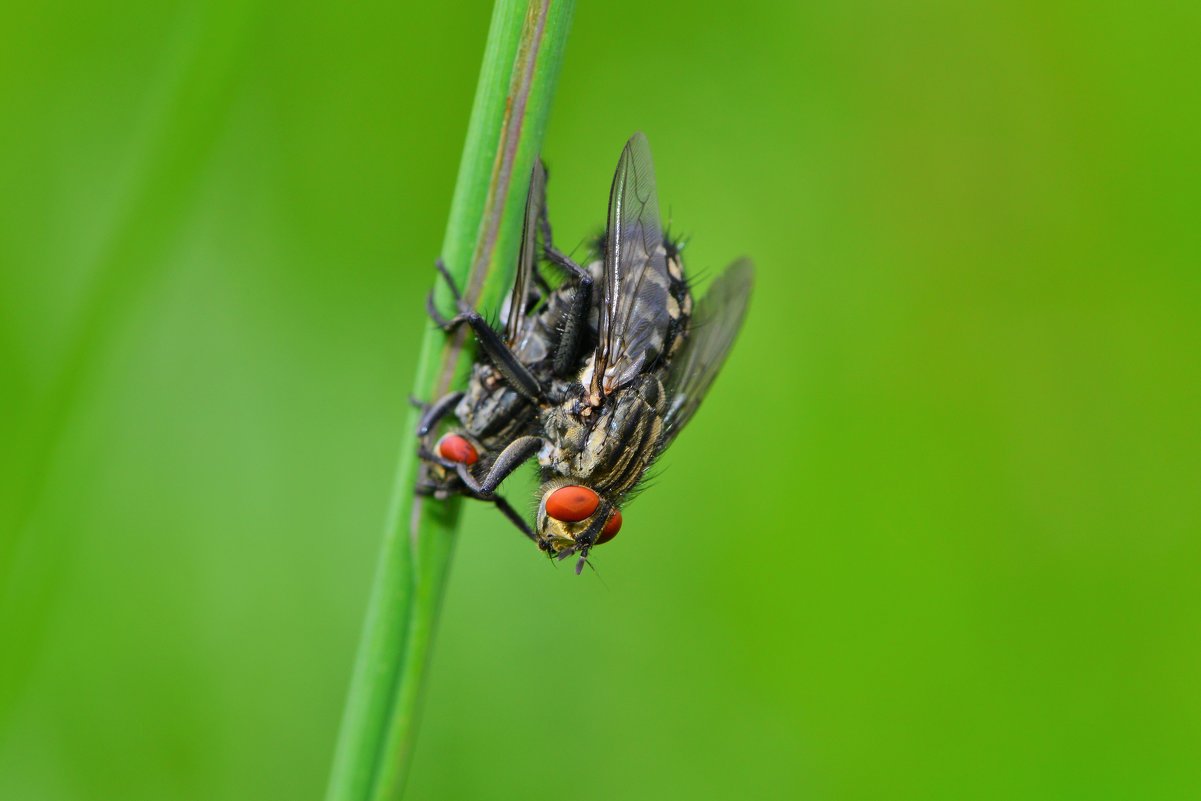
<point>432,490</point>
<point>575,320</point>
<point>513,456</point>
<point>428,421</point>
<point>432,310</point>
<point>432,415</point>
<point>587,538</point>
<point>510,367</point>
<point>514,518</point>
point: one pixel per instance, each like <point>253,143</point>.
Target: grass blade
<point>521,64</point>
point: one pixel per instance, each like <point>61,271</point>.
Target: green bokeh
<point>933,535</point>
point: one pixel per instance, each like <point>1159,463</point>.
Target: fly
<point>653,360</point>
<point>544,331</point>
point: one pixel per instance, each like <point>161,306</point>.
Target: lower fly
<point>516,372</point>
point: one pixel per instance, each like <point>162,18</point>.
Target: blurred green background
<point>934,534</point>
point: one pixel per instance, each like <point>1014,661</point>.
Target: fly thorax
<point>624,438</point>
<point>533,347</point>
<point>493,413</point>
<point>585,379</point>
<point>560,389</point>
<point>475,397</point>
<point>564,432</point>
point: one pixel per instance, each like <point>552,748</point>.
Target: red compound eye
<point>612,526</point>
<point>454,448</point>
<point>572,504</point>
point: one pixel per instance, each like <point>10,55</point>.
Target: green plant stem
<point>508,119</point>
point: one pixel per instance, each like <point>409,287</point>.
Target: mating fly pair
<point>595,378</point>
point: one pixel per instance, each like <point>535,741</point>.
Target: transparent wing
<point>634,319</point>
<point>715,324</point>
<point>514,310</point>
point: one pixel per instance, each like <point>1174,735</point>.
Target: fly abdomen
<point>679,301</point>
